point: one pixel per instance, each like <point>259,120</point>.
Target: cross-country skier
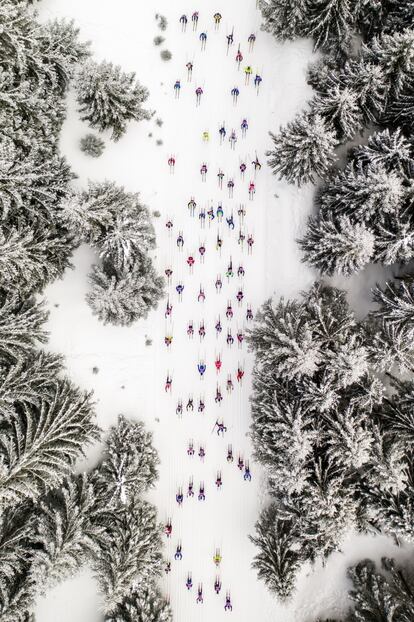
<point>230,186</point>
<point>217,585</point>
<point>219,212</point>
<point>203,171</point>
<point>239,297</point>
<point>217,20</point>
<point>240,374</point>
<point>177,87</point>
<point>178,552</point>
<point>250,41</point>
<point>241,212</point>
<point>179,496</point>
<point>229,456</point>
<point>229,338</point>
<point>229,384</point>
<point>180,288</point>
<point>168,383</point>
<point>217,364</point>
<point>168,340</point>
<point>219,481</point>
<point>200,598</point>
<point>168,309</point>
<point>240,463</point>
<point>220,176</point>
<point>256,164</point>
<point>201,366</point>
<point>228,606</point>
<point>169,225</point>
<point>233,139</point>
<point>189,66</point>
<point>190,262</point>
<point>249,313</point>
<point>201,452</point>
<point>244,127</point>
<point>230,40</point>
<point>239,58</point>
<point>183,22</point>
<point>190,449</point>
<point>167,567</point>
<point>229,311</point>
<point>190,404</point>
<point>240,338</point>
<point>222,132</point>
<point>203,39</point>
<point>218,284</point>
<point>168,528</point>
<point>257,82</point>
<point>201,492</point>
<point>189,582</point>
<point>240,271</point>
<point>202,331</point>
<point>191,206</point>
<point>221,428</point>
<point>210,214</point>
<point>179,409</point>
<point>198,92</point>
<point>242,168</point>
<point>201,295</point>
<point>247,72</point>
<point>230,222</point>
<point>218,327</point>
<point>202,251</point>
<point>219,243</point>
<point>202,217</point>
<point>201,405</point>
<point>171,163</point>
<point>206,136</point>
<point>168,273</point>
<point>230,272</point>
<point>190,488</point>
<point>194,19</point>
<point>190,329</point>
<point>217,558</point>
<point>180,240</point>
<point>250,242</point>
<point>235,94</point>
<point>252,190</point>
<point>218,399</point>
<point>247,475</point>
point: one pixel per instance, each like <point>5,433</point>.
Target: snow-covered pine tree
<point>303,150</point>
<point>21,326</point>
<point>143,605</point>
<point>285,19</point>
<point>340,107</point>
<point>129,465</point>
<point>396,306</point>
<point>349,437</point>
<point>92,145</point>
<point>279,559</point>
<point>331,23</point>
<point>108,98</point>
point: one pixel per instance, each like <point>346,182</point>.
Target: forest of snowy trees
<point>333,401</point>
<point>52,521</point>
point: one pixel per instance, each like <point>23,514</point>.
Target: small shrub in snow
<point>159,39</point>
<point>159,122</point>
<point>166,55</point>
<point>162,21</point>
<point>92,145</point>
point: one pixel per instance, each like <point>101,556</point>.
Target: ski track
<point>131,376</point>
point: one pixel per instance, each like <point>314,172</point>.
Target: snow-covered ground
<point>131,375</point>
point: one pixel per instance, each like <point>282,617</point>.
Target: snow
<point>131,375</point>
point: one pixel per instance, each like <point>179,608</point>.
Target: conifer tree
<point>143,605</point>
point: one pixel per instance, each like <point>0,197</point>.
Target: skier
<point>168,273</point>
<point>240,271</point>
<point>251,40</point>
<point>230,222</point>
<point>191,206</point>
<point>228,606</point>
<point>203,171</point>
<point>178,552</point>
<point>189,582</point>
<point>202,217</point>
<point>218,399</point>
<point>218,327</point>
<point>180,289</point>
<point>171,163</point>
<point>190,449</point>
<point>219,481</point>
<point>206,136</point>
<point>222,132</point>
<point>217,20</point>
<point>257,81</point>
<point>201,366</point>
<point>247,72</point>
<point>217,585</point>
<point>240,338</point>
<point>229,311</point>
<point>229,272</point>
<point>221,428</point>
<point>241,212</point>
<point>190,404</point>
<point>230,41</point>
<point>244,127</point>
<point>202,251</point>
<point>256,164</point>
<point>219,212</point>
<point>177,87</point>
<point>230,338</point>
<point>202,331</point>
<point>240,463</point>
<point>240,374</point>
<point>217,558</point>
<point>179,409</point>
<point>168,383</point>
<point>242,168</point>
<point>217,364</point>
<point>190,329</point>
<point>183,22</point>
<point>201,405</point>
<point>167,567</point>
<point>235,94</point>
<point>239,297</point>
<point>203,39</point>
<point>168,340</point>
<point>219,243</point>
<point>201,492</point>
<point>201,453</point>
<point>168,309</point>
<point>230,186</point>
<point>194,19</point>
<point>229,384</point>
<point>239,58</point>
<point>229,457</point>
<point>233,139</point>
<point>169,225</point>
<point>241,238</point>
<point>180,240</point>
<point>198,92</point>
<point>190,488</point>
<point>190,262</point>
<point>199,598</point>
<point>249,313</point>
<point>210,214</point>
<point>252,190</point>
<point>179,496</point>
<point>247,475</point>
<point>220,176</point>
<point>168,528</point>
<point>201,295</point>
<point>250,242</point>
<point>189,66</point>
